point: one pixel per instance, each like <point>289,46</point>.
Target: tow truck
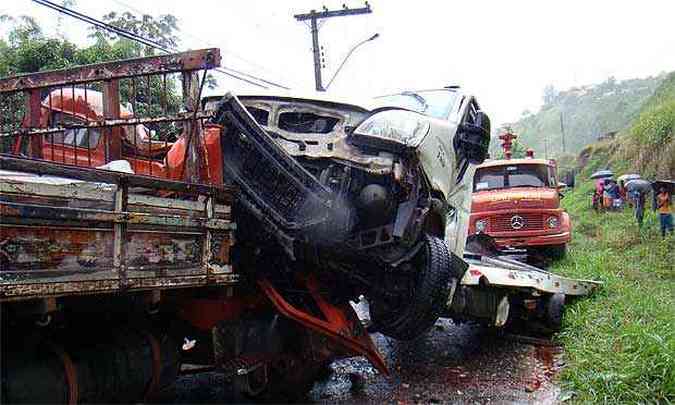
<point>517,202</point>
<point>499,289</point>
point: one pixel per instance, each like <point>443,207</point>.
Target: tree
<point>160,30</point>
<point>28,50</point>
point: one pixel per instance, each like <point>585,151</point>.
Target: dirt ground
<point>453,363</point>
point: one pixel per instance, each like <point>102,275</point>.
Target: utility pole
<point>313,16</point>
<point>562,131</point>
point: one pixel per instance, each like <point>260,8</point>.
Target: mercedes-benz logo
<point>517,222</point>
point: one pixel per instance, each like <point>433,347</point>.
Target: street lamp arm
<point>347,57</point>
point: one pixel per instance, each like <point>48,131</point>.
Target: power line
<point>125,33</point>
<point>203,41</point>
<point>148,42</point>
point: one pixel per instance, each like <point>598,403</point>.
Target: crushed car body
<point>363,195</point>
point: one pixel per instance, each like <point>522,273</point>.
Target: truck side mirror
<point>561,187</point>
<point>473,140</point>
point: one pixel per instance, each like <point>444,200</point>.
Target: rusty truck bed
<point>96,231</point>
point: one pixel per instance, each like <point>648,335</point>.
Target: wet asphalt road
<point>452,364</point>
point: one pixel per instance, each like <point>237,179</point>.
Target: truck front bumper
<point>534,240</point>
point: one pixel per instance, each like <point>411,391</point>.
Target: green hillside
<point>620,343</point>
<point>587,112</point>
<point>647,144</point>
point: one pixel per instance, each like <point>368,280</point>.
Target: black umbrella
<point>602,174</point>
<point>643,186</point>
<point>669,185</point>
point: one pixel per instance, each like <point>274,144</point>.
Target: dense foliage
<point>27,49</point>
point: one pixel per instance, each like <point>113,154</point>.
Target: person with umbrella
<point>601,177</point>
<point>638,190</point>
<point>611,195</point>
<point>664,206</point>
<point>639,207</point>
<point>597,195</point>
<point>623,191</point>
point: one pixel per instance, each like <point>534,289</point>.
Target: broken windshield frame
<point>434,103</point>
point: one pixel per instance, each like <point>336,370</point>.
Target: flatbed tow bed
<point>508,273</point>
<point>499,291</point>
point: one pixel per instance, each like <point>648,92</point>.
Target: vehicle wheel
<point>556,252</point>
<point>555,306</point>
<point>417,310</point>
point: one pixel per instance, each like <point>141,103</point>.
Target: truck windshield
<point>434,103</point>
<point>509,176</point>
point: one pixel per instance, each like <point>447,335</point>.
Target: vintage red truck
<point>517,202</point>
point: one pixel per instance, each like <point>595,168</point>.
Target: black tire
<point>555,307</point>
<point>427,297</point>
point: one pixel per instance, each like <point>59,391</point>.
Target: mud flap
<point>276,188</point>
<point>340,324</point>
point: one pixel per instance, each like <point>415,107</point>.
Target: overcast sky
<point>504,52</point>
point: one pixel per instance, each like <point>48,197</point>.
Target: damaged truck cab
<point>362,194</point>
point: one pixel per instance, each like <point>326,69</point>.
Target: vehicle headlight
<point>481,225</point>
<point>552,222</point>
<point>400,126</point>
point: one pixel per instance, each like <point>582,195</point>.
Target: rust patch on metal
<point>184,61</point>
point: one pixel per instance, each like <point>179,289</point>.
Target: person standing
<point>639,200</point>
<point>664,206</point>
<point>623,193</point>
<point>598,195</point>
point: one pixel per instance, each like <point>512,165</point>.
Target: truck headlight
<point>481,225</point>
<point>403,127</point>
<point>552,222</point>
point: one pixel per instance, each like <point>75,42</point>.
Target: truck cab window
<point>80,137</point>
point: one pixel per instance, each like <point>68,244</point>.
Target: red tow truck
<point>517,202</point>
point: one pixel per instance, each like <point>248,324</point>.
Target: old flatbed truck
<point>111,279</point>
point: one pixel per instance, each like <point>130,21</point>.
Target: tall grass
<point>620,343</point>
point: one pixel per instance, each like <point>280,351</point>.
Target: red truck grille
<point>506,222</point>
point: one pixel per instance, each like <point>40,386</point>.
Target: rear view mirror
<point>473,140</point>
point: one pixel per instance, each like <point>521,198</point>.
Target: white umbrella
<point>627,177</point>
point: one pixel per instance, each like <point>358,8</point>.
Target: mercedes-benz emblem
<point>517,222</point>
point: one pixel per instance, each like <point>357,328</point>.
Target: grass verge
<point>620,343</point>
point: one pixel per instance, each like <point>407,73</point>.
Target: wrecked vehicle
<point>114,280</point>
<point>362,195</point>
